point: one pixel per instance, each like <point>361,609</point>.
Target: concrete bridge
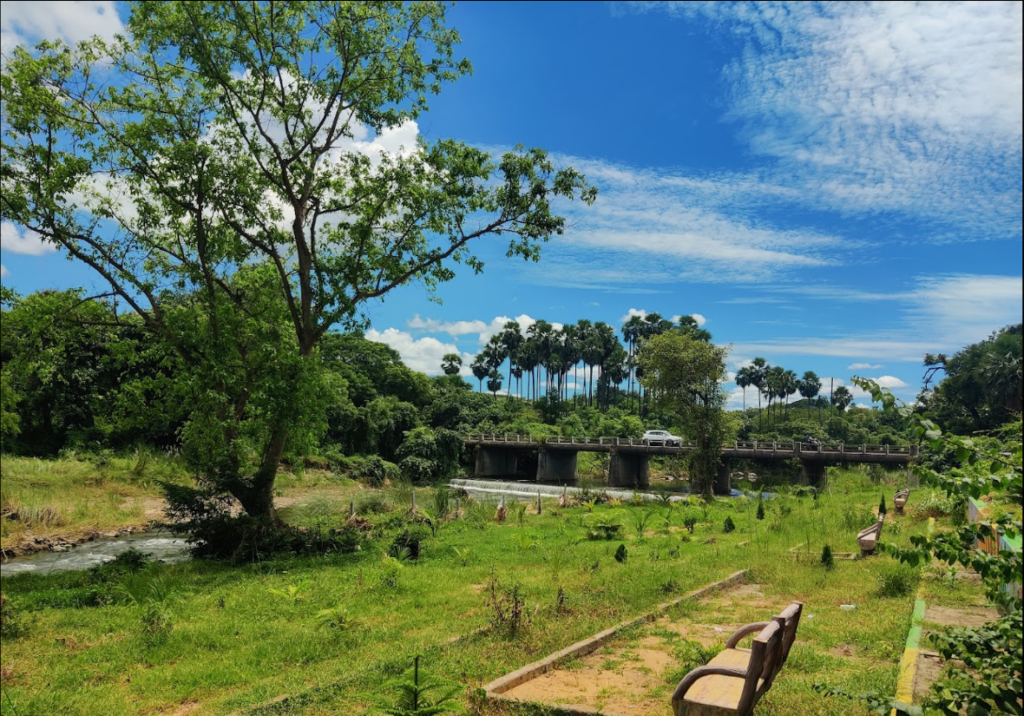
<point>554,459</point>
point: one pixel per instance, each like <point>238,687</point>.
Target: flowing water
<point>526,491</point>
<point>160,545</point>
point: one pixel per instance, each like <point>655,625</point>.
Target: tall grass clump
<point>896,579</point>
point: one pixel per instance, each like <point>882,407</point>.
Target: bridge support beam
<point>556,466</point>
<point>629,470</point>
<point>494,462</point>
<point>723,481</point>
<point>812,472</point>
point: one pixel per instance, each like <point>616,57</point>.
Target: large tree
<point>685,374</point>
<point>219,151</point>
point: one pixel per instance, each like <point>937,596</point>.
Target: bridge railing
<point>775,446</point>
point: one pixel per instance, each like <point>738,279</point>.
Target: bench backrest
<point>765,655</point>
<point>901,497</point>
<point>789,620</point>
<point>874,530</point>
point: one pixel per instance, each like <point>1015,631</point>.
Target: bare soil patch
<point>961,616</point>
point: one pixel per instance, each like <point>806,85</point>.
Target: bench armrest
<point>744,631</point>
<point>700,672</point>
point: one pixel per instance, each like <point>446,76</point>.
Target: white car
<point>662,437</point>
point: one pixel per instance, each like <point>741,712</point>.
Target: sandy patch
<point>961,617</point>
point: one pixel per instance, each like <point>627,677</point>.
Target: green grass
<point>235,642</point>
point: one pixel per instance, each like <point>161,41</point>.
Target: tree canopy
<point>210,167</point>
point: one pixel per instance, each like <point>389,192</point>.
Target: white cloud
<point>890,381</point>
<point>633,312</point>
<point>452,328</point>
<point>422,354</point>
<point>864,366</point>
<point>22,241</point>
<point>3,271</point>
<point>867,107</point>
<point>701,320</point>
<point>29,22</point>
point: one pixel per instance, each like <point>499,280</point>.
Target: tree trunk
<point>257,499</point>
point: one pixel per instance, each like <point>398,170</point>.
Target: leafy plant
<point>760,509</point>
<point>422,695</point>
<point>621,554</point>
<point>292,592</point>
<point>10,623</point>
<point>881,507</point>
<point>462,554</point>
<point>337,619</point>
<point>690,523</point>
<point>604,526</point>
<point>896,579</point>
<point>728,526</point>
<point>520,509</point>
<point>391,568</point>
<point>640,518</point>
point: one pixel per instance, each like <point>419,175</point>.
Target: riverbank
<point>55,505</point>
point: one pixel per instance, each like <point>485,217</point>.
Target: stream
<point>160,545</point>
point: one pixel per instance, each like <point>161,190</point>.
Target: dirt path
<point>637,677</point>
<point>929,663</point>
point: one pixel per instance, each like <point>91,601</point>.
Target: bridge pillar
<point>812,472</point>
<point>556,466</point>
<point>629,469</point>
<point>495,462</point>
<point>723,481</point>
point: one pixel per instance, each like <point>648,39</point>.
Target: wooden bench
<point>716,690</point>
<point>868,538</point>
<point>735,656</point>
<point>900,500</point>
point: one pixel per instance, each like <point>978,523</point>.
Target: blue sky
<point>835,188</point>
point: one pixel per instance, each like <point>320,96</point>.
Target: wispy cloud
<point>867,107</point>
<point>22,241</point>
<point>864,366</point>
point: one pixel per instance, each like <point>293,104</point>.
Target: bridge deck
<point>738,450</point>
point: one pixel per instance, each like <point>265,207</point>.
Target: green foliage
<point>428,455</point>
<point>338,619</point>
<point>827,560</point>
<point>419,694</point>
<point>621,554</point>
<point>603,526</point>
<point>882,509</point>
<point>760,509</point>
<point>684,374</point>
<point>234,296</point>
<point>11,626</point>
<point>995,649</point>
<point>728,526</point>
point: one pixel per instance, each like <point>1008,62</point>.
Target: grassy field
<point>210,638</point>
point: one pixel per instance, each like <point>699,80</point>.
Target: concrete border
<point>497,688</point>
<point>912,650</point>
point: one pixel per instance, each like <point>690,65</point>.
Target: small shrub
<point>507,607</point>
<point>156,623</point>
<point>621,554</point>
<point>10,623</point>
<point>896,579</point>
<point>690,523</point>
<point>827,560</point>
<point>131,561</point>
<point>760,509</point>
<point>416,695</point>
<point>669,587</point>
<point>408,541</point>
<point>881,506</point>
<point>442,496</point>
<point>391,568</point>
<point>376,503</point>
<point>729,525</point>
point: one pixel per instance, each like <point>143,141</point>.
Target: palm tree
<point>809,387</point>
<point>451,364</point>
<point>494,379</point>
<point>631,334</point>
<point>480,370</point>
<point>511,339</point>
<point>744,380</point>
<point>688,325</point>
<point>789,387</point>
<point>758,379</point>
<point>841,398</point>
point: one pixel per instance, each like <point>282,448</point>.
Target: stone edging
<point>497,688</point>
